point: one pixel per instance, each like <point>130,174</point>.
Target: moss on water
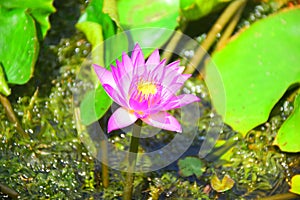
<point>54,163</point>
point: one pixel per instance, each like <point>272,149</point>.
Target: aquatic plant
<point>144,90</point>
<point>18,55</point>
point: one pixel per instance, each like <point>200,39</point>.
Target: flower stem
<point>105,173</point>
<point>285,196</point>
<point>230,28</point>
<point>10,192</point>
<point>133,149</point>
<point>170,48</point>
<point>211,36</point>
<point>12,116</point>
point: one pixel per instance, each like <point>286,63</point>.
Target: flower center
<point>146,88</point>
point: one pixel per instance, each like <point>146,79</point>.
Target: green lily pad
<point>221,186</point>
<point>110,8</point>
<point>92,31</point>
<point>19,45</point>
<point>195,9</point>
<point>257,68</point>
<point>289,133</point>
<point>191,166</point>
<point>94,105</point>
<point>140,15</point>
<point>95,102</point>
<point>146,13</point>
<point>39,9</point>
<point>94,13</point>
<point>295,186</point>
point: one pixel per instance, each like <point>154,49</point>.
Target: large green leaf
<point>96,102</point>
<point>104,13</point>
<point>110,8</point>
<point>295,185</point>
<point>107,47</point>
<point>148,13</point>
<point>139,15</point>
<point>195,9</point>
<point>289,133</point>
<point>257,68</point>
<point>19,45</point>
<point>94,13</point>
<point>94,105</point>
<point>39,9</point>
<point>92,31</point>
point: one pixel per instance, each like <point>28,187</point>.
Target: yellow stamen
<point>146,88</point>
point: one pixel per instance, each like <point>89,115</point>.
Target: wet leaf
<point>195,9</point>
<point>97,26</point>
<point>190,166</point>
<point>94,105</point>
<point>140,15</point>
<point>146,13</point>
<point>87,108</point>
<point>295,185</point>
<point>110,8</point>
<point>158,37</point>
<point>39,9</point>
<point>257,68</point>
<point>93,34</point>
<point>19,45</point>
<point>94,13</point>
<point>222,186</point>
<point>4,89</point>
<point>289,132</point>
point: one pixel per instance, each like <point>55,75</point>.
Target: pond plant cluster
<point>46,149</point>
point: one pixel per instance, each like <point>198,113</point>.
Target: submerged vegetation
<point>55,163</point>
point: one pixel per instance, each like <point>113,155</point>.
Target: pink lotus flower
<point>144,90</point>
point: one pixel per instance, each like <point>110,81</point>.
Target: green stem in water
<point>211,36</point>
<point>218,152</point>
<point>84,136</point>
<point>10,192</point>
<point>105,174</point>
<point>12,117</point>
<point>230,28</point>
<point>285,196</point>
<point>104,150</point>
<point>171,45</point>
<point>133,150</point>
